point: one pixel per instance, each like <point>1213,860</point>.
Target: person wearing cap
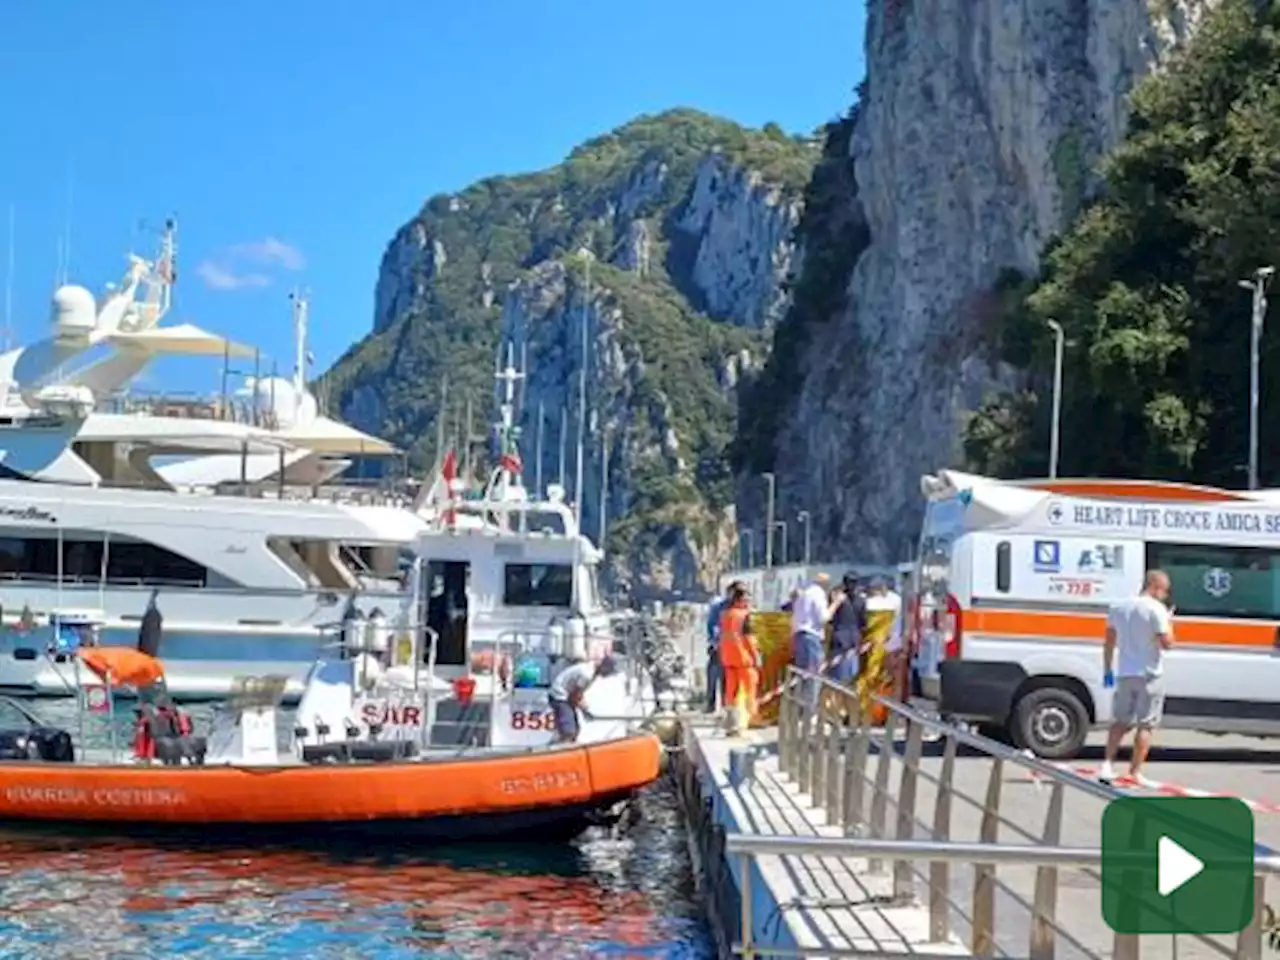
<point>567,691</point>
<point>848,623</point>
<point>740,659</point>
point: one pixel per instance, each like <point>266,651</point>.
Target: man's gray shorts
<point>1138,702</point>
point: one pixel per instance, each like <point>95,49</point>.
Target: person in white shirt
<point>566,693</point>
<point>1140,630</point>
<point>810,613</point>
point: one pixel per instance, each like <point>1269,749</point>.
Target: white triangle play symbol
<point>1174,866</point>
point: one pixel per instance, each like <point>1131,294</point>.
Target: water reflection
<point>618,895</point>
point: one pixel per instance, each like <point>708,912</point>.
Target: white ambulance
<point>1013,581</point>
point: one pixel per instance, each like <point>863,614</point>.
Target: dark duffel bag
<point>50,744</point>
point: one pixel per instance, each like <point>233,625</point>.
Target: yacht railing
<point>193,406</point>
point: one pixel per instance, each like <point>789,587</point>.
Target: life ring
<point>95,698</point>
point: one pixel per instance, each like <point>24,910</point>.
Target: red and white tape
<point>776,692</point>
<point>1167,789</point>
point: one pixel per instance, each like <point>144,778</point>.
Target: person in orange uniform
<point>740,660</point>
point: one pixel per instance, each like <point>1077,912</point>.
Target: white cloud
<point>224,271</point>
<point>269,251</point>
<point>218,277</point>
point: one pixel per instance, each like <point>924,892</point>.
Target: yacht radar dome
<point>283,400</point>
<point>75,311</point>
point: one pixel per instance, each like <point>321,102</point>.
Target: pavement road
<point>1244,767</point>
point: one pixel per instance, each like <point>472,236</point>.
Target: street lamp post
<point>1258,287</point>
<point>782,525</point>
<point>803,517</point>
<point>768,528</point>
<point>1054,436</point>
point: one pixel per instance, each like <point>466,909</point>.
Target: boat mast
<point>300,306</point>
<point>509,466</point>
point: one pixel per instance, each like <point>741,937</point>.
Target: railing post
<point>744,891</point>
<point>833,775</point>
<point>984,874</point>
<point>804,754</point>
<point>855,780</point>
<point>1249,941</point>
<point>903,879</point>
<point>1125,946</point>
<point>880,790</point>
<point>817,764</point>
<point>1044,906</point>
<point>784,732</point>
<point>940,870</point>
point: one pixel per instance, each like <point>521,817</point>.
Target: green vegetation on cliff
<point>832,235</point>
<point>492,232</point>
<point>445,279</point>
<point>1146,281</point>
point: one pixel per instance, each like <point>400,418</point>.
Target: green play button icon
<point>1177,865</point>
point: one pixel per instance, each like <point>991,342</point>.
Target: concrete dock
<point>918,784</point>
<point>798,903</point>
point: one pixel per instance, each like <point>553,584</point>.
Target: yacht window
<point>128,562</point>
<point>146,563</point>
<point>538,585</point>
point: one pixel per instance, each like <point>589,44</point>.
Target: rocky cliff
<point>974,142</point>
<point>671,239</point>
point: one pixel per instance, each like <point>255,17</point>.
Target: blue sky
<point>291,139</point>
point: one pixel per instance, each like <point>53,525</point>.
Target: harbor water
<point>618,893</point>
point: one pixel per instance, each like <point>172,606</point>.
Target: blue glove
<point>1108,680</point>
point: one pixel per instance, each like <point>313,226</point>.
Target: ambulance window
<point>1217,581</point>
<point>1004,565</point>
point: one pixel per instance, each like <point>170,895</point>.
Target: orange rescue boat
<point>448,798</point>
<point>539,793</point>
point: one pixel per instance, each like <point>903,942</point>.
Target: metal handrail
<point>836,765</point>
<point>954,851</point>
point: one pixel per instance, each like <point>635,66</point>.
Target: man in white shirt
<point>1141,630</point>
<point>810,612</point>
<point>567,691</point>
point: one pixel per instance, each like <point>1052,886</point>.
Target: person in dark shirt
<point>847,626</point>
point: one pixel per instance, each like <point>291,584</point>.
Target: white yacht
<point>228,516</point>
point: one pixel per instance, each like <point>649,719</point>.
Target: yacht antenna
<point>300,305</point>
<point>8,287</point>
<point>66,233</point>
<point>160,278</point>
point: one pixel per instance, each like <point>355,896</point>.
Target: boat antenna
<point>524,383</point>
<point>442,413</point>
<point>300,305</point>
<point>8,287</point>
<point>509,466</point>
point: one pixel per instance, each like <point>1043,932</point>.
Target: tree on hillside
<point>1146,282</point>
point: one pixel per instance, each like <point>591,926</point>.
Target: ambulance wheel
<point>1051,722</point>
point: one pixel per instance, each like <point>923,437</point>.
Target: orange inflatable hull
<point>450,797</point>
